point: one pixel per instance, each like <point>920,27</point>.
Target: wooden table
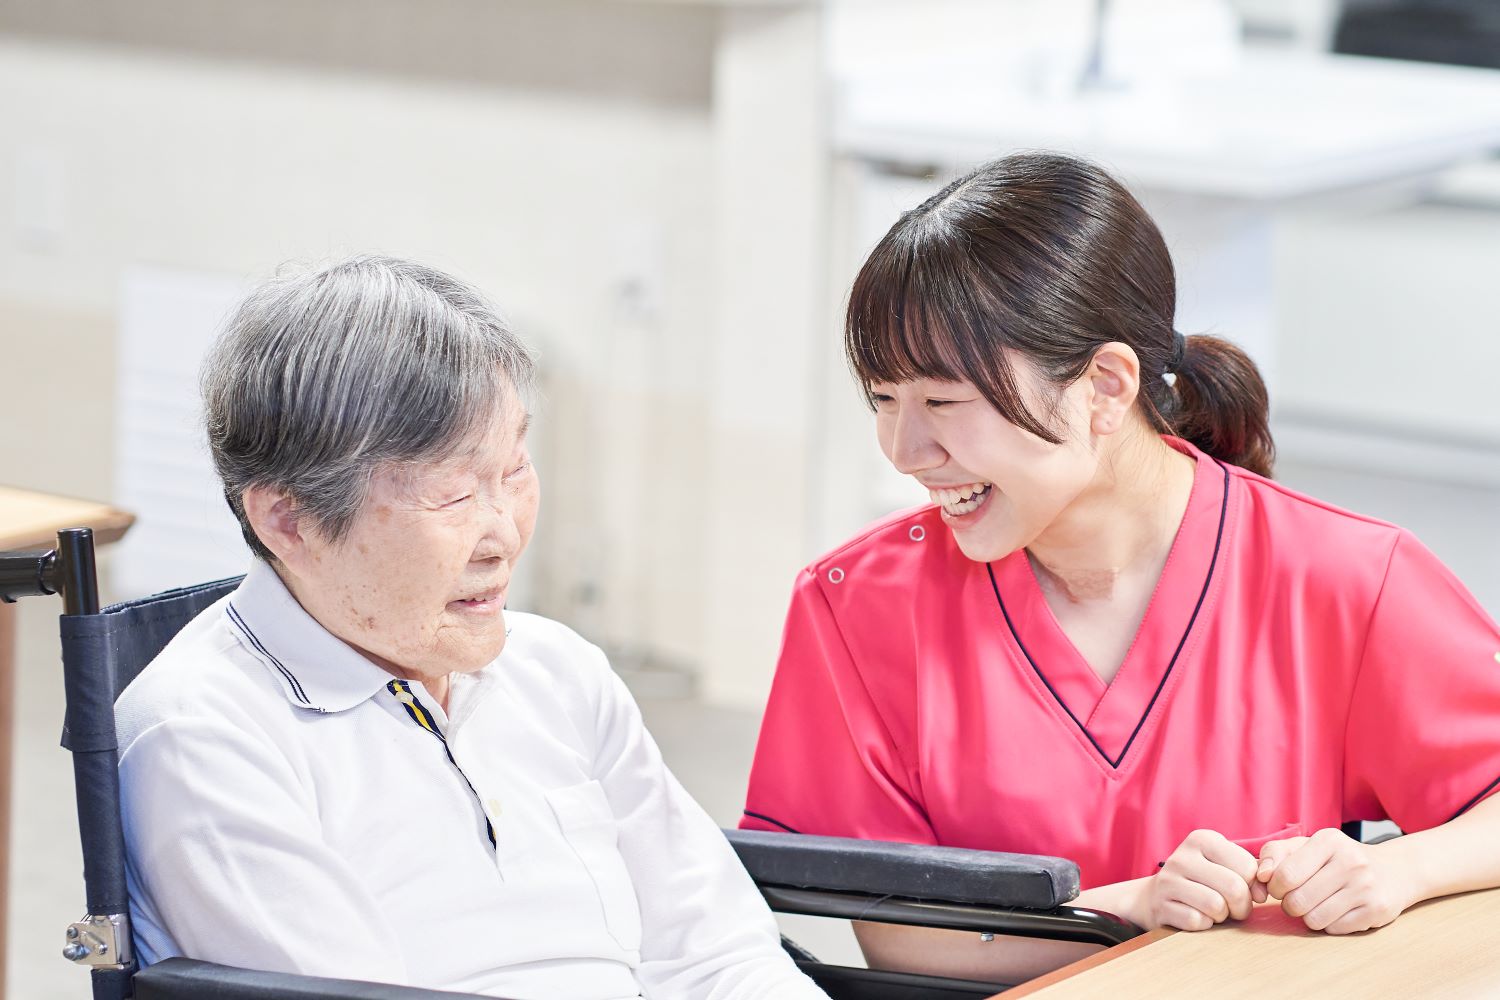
<point>1442,948</point>
<point>31,521</point>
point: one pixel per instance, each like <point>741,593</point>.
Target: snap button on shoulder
<point>835,575</point>
<point>917,532</point>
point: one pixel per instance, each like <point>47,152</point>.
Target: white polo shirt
<point>289,806</point>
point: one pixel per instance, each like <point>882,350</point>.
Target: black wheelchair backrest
<point>119,641</point>
<point>102,654</point>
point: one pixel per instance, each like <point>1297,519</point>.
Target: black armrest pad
<point>186,979</point>
<point>914,871</point>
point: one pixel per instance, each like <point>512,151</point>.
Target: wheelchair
<point>104,649</point>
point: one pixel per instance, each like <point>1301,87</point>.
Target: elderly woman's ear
<point>274,517</point>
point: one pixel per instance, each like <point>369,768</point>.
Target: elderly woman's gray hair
<point>319,379</point>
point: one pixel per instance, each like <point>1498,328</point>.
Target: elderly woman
<point>359,764</point>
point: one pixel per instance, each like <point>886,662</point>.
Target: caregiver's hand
<point>1332,882</point>
<point>1205,881</point>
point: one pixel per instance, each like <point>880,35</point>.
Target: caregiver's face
<point>419,583</point>
<point>999,486</point>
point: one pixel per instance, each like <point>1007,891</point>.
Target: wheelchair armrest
<point>912,871</point>
<point>187,979</point>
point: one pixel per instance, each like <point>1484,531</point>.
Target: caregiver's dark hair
<point>1050,257</point>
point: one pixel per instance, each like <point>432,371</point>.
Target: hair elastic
<point>1179,351</point>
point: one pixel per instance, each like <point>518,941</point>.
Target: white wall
<point>771,319</point>
<point>559,155</point>
<point>1387,316</point>
<point>1388,340</point>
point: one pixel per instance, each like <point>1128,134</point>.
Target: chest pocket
<point>587,823</point>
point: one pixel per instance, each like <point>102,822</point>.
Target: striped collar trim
<point>316,669</point>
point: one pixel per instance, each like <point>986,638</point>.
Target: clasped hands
<point>1329,881</point>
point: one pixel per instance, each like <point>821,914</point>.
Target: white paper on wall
<point>184,532</point>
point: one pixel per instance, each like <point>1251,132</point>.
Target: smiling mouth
<point>960,501</point>
<point>487,599</point>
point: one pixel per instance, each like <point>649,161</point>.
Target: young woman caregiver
<point>1111,638</point>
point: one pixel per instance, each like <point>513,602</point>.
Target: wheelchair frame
<point>986,892</point>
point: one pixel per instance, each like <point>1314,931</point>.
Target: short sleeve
<point>825,762</point>
<point>1423,738</point>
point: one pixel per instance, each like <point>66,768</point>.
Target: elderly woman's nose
<point>502,536</point>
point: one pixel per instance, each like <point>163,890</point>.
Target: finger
<point>1271,854</point>
<point>1227,884</point>
<point>1324,884</point>
<point>1329,911</point>
<point>1301,865</point>
<point>1233,889</point>
<point>1232,856</point>
<point>1184,917</point>
<point>1258,892</point>
<point>1361,918</point>
<point>1200,897</point>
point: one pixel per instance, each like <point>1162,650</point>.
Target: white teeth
<point>962,500</point>
<point>958,495</point>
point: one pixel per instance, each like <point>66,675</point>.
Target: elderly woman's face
<point>419,583</point>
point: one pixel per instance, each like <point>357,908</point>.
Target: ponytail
<point>1218,402</point>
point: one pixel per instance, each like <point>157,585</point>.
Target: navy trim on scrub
<point>774,822</point>
<point>1203,594</point>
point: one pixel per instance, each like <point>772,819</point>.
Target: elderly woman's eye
<point>519,470</point>
<point>458,500</point>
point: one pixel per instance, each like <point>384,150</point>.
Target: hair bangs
<point>918,310</point>
<point>896,328</point>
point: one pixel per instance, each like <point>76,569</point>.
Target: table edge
<point>1034,986</point>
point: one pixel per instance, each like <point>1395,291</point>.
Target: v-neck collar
<point>1112,715</point>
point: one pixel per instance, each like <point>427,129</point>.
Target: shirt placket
<point>424,718</point>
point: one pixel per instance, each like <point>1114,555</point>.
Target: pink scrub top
<point>1299,666</point>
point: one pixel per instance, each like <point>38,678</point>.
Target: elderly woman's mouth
<point>487,602</point>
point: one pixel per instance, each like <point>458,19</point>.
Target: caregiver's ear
<point>1114,379</point>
